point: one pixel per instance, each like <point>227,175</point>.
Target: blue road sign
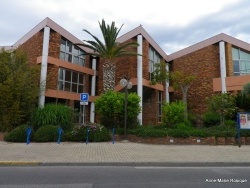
<point>84,97</point>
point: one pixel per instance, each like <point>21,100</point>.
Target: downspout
<point>139,76</point>
<point>44,65</point>
<point>93,92</point>
<point>222,66</point>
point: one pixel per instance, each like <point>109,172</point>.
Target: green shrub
<point>222,131</point>
<point>110,107</point>
<point>18,134</point>
<point>47,133</point>
<point>173,113</point>
<point>230,122</point>
<point>53,114</point>
<point>179,133</point>
<point>183,126</point>
<point>211,118</point>
<point>96,133</point>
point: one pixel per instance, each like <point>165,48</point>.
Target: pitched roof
<point>215,39</point>
<point>51,24</point>
<point>140,30</point>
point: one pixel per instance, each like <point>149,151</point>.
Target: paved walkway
<point>121,153</point>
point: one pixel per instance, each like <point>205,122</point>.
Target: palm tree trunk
<point>109,69</point>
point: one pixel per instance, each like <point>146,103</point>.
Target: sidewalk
<point>122,153</point>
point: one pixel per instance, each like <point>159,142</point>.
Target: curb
<point>151,164</point>
<point>19,163</point>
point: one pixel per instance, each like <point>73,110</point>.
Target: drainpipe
<point>139,76</point>
<point>93,84</point>
<point>44,65</point>
<point>222,66</point>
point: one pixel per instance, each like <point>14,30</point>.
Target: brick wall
<point>33,47</point>
<point>205,65</point>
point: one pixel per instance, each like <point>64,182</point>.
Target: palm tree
<point>110,50</point>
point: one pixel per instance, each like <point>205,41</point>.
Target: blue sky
<point>174,25</point>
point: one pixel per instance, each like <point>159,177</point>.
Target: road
<point>123,177</point>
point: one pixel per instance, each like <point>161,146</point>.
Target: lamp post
<point>124,82</point>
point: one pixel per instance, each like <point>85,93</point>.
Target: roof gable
<point>140,30</point>
<point>213,40</point>
<point>51,24</point>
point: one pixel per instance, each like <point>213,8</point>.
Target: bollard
<point>87,136</point>
<point>60,131</point>
<point>28,133</point>
<point>113,136</point>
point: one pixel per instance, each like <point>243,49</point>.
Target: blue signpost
<point>84,99</point>
<point>243,122</point>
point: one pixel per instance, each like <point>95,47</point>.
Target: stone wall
<point>185,141</point>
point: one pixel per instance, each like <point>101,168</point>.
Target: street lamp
<point>124,82</point>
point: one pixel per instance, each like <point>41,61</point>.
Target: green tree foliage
<point>19,89</point>
<point>159,75</point>
<point>182,81</point>
<point>223,104</point>
<point>109,50</point>
<point>173,113</point>
<point>246,89</point>
<point>53,114</point>
<point>110,107</point>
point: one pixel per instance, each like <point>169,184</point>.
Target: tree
<point>246,89</point>
<point>182,81</point>
<point>110,107</point>
<point>159,75</point>
<point>109,50</point>
<point>223,104</point>
<point>19,89</point>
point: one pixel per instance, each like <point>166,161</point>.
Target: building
<point>219,63</point>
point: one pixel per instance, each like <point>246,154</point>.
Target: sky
<point>173,24</point>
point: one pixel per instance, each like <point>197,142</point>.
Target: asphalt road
<point>123,177</point>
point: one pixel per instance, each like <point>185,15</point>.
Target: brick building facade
<point>216,62</point>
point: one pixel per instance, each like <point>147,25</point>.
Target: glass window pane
<point>75,77</point>
<point>74,88</point>
<point>63,45</point>
<point>235,54</point>
<point>244,56</point>
<point>68,47</point>
<point>236,66</point>
<point>80,88</point>
<point>68,75</point>
<point>62,55</point>
<point>242,65</point>
<point>75,51</point>
<point>67,86</point>
<point>81,62</point>
<point>76,60</point>
<point>60,87</point>
<point>81,79</point>
<point>61,71</point>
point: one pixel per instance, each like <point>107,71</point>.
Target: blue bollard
<point>87,136</point>
<point>28,133</point>
<point>113,135</point>
<point>60,131</point>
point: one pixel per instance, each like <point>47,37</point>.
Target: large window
<point>71,53</point>
<point>70,81</point>
<point>154,58</point>
<point>241,62</point>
